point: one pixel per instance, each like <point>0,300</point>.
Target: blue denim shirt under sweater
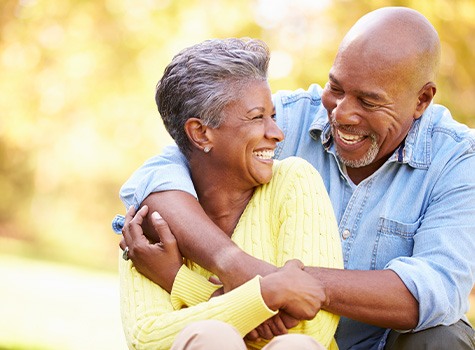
<point>415,215</point>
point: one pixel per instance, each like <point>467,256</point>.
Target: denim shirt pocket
<point>394,239</point>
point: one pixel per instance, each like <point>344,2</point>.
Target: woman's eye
<point>260,116</point>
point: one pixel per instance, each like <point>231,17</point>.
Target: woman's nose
<point>273,131</point>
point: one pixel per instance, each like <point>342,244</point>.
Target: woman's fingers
<point>122,243</point>
<point>252,335</point>
<point>130,214</point>
<point>264,331</point>
<point>162,229</point>
<point>277,326</point>
<point>132,230</point>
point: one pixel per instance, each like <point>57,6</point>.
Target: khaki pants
<point>217,335</point>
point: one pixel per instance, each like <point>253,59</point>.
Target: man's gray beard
<point>368,158</point>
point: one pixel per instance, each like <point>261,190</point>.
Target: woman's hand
<point>274,326</point>
<point>160,261</point>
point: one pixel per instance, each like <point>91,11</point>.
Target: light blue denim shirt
<point>415,215</point>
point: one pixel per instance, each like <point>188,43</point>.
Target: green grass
<point>48,306</point>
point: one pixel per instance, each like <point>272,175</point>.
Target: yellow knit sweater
<point>290,217</point>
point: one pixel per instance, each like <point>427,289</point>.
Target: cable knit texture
<point>290,217</point>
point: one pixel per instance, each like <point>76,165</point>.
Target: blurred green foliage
<point>77,85</point>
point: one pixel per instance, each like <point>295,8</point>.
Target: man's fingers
<point>294,263</point>
<point>162,229</point>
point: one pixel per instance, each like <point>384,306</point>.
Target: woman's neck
<point>222,201</point>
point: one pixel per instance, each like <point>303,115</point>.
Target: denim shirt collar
<point>415,150</point>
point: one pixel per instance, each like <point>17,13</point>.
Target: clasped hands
<point>292,291</point>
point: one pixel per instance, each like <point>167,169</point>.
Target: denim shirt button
<point>346,234</point>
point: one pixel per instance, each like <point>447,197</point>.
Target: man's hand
<point>294,291</point>
<point>160,261</point>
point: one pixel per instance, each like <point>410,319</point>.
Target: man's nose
<point>345,112</point>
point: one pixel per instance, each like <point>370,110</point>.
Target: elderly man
<point>398,169</point>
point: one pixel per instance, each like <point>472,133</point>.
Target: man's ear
<point>197,133</point>
<point>426,94</point>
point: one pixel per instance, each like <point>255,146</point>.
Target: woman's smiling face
<point>244,143</point>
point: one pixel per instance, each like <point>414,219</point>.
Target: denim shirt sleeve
<point>164,172</point>
<point>440,273</point>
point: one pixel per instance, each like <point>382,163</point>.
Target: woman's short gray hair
<point>202,79</point>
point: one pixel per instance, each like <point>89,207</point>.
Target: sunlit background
<point>77,114</point>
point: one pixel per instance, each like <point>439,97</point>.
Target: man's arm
<point>165,172</point>
<point>374,297</point>
<point>200,240</point>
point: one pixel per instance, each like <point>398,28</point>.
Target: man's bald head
<point>396,36</point>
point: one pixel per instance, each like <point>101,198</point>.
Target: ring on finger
<point>125,254</point>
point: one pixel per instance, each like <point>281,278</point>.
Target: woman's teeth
<point>267,154</point>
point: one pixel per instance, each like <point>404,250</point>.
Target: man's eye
<point>260,116</point>
<point>334,89</point>
<point>368,105</point>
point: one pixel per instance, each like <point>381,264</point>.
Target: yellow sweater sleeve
<point>150,321</point>
<point>190,288</point>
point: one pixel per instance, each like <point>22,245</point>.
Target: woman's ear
<point>197,133</point>
<point>426,94</point>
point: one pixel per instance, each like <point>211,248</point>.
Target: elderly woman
<point>216,103</point>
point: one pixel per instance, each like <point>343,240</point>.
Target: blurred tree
<point>77,106</point>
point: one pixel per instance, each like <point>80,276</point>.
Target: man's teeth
<point>267,154</point>
<point>349,138</point>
